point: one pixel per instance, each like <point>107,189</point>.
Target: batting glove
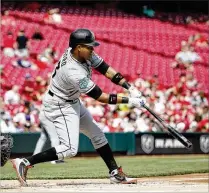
<point>137,102</point>
<point>134,92</point>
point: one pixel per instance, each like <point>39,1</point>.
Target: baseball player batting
<point>62,107</point>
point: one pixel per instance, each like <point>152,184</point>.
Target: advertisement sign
<point>204,143</point>
<point>163,143</point>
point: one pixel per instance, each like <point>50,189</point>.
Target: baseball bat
<point>170,129</point>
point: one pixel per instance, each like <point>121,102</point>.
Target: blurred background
<point>160,47</point>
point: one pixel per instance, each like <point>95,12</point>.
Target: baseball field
<point>179,173</point>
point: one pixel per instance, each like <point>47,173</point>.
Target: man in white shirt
<point>186,57</point>
<point>6,124</point>
<point>12,96</point>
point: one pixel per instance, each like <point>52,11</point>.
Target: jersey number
<point>55,71</point>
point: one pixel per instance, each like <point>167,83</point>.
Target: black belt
<point>70,101</point>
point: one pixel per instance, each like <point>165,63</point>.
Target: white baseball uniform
<point>62,107</point>
<point>48,132</point>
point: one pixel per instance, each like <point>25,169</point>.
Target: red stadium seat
<point>129,43</point>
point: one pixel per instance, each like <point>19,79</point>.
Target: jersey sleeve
<point>83,83</point>
<point>95,60</point>
<point>86,85</point>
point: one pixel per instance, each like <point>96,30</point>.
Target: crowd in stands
<point>18,48</point>
<point>184,105</point>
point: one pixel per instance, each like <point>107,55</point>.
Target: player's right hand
<point>134,92</point>
<point>137,102</point>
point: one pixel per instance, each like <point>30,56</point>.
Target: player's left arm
<point>116,77</point>
<point>113,75</point>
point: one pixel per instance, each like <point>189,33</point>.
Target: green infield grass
<point>134,166</point>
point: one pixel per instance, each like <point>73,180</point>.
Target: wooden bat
<point>170,129</point>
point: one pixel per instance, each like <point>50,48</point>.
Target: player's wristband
<point>112,99</point>
<point>117,78</point>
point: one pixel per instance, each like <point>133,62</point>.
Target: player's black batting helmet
<point>82,36</point>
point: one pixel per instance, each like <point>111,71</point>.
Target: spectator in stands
<point>148,11</point>
<point>193,56</point>
<point>116,122</point>
<point>56,16</point>
<point>180,127</point>
<point>203,126</point>
<point>192,123</point>
<point>12,96</point>
<point>39,88</point>
<point>181,56</point>
<point>109,122</point>
<point>37,35</point>
<point>22,45</point>
<point>30,105</point>
<point>191,82</point>
<point>104,125</point>
<point>201,117</point>
<point>141,123</point>
<point>127,125</point>
<point>7,19</point>
<point>27,88</point>
<point>121,122</point>
<point>205,110</point>
<point>95,109</point>
<point>26,121</point>
<point>24,62</point>
<point>200,98</point>
<point>189,20</point>
<point>198,40</point>
<point>159,105</point>
<point>49,55</point>
<point>6,123</point>
<point>8,45</point>
<point>53,16</point>
<point>186,57</point>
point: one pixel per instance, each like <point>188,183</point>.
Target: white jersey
<point>71,77</point>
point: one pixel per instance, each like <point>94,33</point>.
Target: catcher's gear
<point>6,146</point>
<point>84,37</point>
